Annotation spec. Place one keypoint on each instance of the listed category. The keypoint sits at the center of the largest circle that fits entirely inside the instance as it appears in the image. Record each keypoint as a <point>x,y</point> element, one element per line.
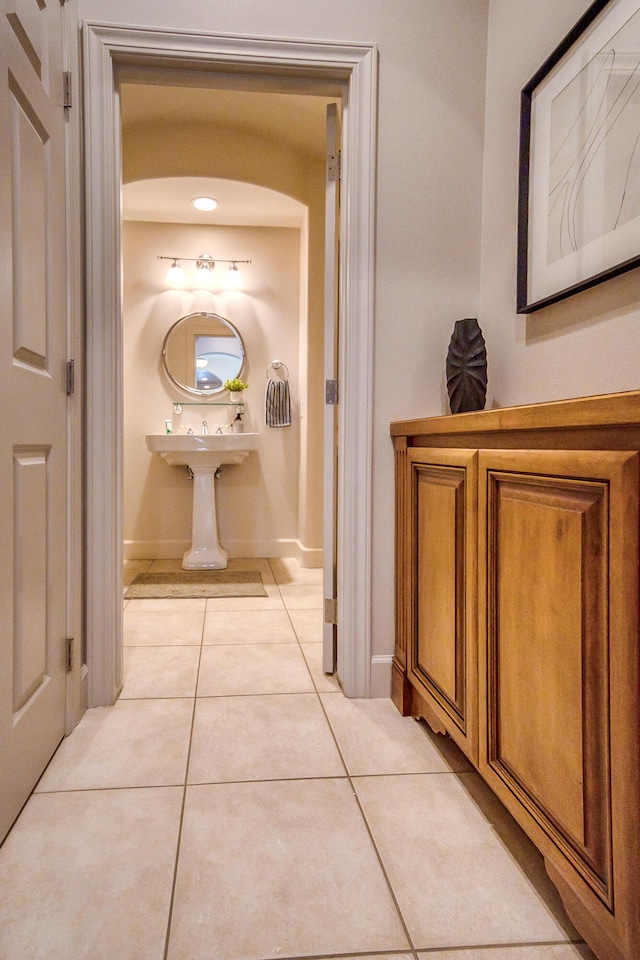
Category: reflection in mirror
<point>201,351</point>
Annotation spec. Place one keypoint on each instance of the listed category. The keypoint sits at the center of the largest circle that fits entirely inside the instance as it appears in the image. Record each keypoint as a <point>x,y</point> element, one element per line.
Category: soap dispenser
<point>237,426</point>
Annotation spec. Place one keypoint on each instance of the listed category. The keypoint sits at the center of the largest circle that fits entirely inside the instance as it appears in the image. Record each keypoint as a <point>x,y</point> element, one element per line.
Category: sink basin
<point>203,454</point>
<point>212,449</point>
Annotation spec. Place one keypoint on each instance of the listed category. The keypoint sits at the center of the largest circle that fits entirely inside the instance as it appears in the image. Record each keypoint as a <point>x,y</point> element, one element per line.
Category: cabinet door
<point>442,657</point>
<point>559,663</point>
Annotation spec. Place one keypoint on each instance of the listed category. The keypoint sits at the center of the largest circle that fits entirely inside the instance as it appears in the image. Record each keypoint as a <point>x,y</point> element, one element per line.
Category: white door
<point>331,300</point>
<point>33,446</point>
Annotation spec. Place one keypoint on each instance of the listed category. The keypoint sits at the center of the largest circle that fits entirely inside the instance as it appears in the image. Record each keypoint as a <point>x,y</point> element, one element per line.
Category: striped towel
<point>277,404</point>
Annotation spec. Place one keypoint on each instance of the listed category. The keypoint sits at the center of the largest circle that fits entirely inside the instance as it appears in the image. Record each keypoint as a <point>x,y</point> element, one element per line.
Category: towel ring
<point>276,364</point>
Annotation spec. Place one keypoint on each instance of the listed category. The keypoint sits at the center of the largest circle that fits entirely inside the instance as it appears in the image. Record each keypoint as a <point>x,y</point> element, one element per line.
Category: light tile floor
<point>234,805</point>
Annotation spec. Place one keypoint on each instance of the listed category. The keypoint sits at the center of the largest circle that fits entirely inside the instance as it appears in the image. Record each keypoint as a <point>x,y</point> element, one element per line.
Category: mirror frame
<point>193,391</point>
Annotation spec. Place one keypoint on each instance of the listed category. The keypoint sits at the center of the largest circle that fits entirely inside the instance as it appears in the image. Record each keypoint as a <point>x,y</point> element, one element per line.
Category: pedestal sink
<point>203,454</point>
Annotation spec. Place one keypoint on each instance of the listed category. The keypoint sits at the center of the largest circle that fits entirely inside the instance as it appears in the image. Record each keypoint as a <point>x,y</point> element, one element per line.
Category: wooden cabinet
<point>517,629</point>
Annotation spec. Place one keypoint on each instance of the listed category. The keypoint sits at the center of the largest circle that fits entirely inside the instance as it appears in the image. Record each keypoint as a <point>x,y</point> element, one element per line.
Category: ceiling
<point>168,200</point>
<point>297,121</point>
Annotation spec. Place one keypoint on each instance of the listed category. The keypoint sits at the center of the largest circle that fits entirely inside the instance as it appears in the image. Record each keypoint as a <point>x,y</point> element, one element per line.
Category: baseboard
<point>154,549</point>
<point>309,556</point>
<point>260,548</point>
<point>174,549</point>
<point>381,676</point>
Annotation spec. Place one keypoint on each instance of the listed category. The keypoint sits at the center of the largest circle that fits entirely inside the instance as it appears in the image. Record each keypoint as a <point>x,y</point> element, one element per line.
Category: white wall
<point>258,499</point>
<point>431,103</point>
<point>589,343</point>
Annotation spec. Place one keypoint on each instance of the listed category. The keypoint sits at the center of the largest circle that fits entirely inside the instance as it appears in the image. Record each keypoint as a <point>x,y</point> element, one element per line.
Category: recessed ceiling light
<point>205,203</point>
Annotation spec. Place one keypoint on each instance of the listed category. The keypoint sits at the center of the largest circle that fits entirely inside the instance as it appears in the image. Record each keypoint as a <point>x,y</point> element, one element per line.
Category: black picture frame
<point>566,201</point>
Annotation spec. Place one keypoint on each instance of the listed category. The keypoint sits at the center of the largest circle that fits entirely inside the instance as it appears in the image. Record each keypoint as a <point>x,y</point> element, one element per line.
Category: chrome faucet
<point>205,427</point>
<point>188,429</point>
<point>219,430</point>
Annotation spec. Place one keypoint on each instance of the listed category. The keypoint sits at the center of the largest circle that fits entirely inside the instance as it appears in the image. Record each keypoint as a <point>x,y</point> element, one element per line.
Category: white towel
<point>277,404</point>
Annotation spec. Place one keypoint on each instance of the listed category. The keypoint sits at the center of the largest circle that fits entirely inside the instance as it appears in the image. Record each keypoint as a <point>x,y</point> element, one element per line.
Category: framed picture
<point>579,193</point>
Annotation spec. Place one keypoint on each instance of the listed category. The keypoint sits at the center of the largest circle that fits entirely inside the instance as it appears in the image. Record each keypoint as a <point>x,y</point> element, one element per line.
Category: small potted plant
<point>235,388</point>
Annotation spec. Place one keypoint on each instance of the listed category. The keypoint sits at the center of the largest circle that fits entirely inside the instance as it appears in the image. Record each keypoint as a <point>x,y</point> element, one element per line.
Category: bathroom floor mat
<point>197,583</point>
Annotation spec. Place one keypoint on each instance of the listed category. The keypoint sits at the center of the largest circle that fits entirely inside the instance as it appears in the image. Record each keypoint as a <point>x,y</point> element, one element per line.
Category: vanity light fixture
<point>175,275</point>
<point>205,203</point>
<point>205,265</point>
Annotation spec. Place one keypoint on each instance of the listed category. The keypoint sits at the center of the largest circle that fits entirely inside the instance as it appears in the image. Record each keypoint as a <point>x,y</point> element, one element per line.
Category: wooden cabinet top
<point>606,421</point>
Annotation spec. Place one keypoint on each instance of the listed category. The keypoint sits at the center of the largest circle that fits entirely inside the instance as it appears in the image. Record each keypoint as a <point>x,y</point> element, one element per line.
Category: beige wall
<point>584,345</point>
<point>446,204</point>
<point>258,499</point>
<point>430,129</point>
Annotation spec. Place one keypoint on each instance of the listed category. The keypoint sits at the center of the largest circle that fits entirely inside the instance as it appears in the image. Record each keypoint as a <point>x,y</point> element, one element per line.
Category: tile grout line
<point>357,799</point>
<point>371,955</point>
<point>511,945</point>
<point>186,778</point>
<point>184,798</point>
<point>299,642</point>
<point>412,949</point>
<point>213,783</point>
<point>343,956</point>
<point>364,819</point>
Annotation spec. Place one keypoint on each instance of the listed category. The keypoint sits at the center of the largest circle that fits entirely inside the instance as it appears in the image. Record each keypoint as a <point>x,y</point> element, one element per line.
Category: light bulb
<point>175,275</point>
<point>204,271</point>
<point>234,278</point>
<point>205,203</point>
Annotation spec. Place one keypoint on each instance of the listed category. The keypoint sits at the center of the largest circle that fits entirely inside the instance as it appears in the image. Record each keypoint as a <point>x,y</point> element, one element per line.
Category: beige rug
<point>196,583</point>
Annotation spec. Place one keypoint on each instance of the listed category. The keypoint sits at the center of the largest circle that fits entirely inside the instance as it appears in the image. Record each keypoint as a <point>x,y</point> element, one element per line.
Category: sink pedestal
<point>203,455</point>
<point>205,552</point>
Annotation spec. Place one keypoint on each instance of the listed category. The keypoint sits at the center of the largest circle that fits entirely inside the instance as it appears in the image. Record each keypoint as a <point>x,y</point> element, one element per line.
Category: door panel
<point>440,565</point>
<point>442,660</point>
<point>33,445</point>
<point>30,574</point>
<point>29,27</point>
<point>559,576</point>
<point>537,690</point>
<point>29,165</point>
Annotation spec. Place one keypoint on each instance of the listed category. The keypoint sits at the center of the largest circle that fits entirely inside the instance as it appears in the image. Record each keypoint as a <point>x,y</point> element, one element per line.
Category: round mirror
<point>201,351</point>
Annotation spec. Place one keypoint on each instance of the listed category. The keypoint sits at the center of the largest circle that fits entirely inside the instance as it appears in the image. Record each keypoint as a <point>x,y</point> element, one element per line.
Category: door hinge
<point>331,392</point>
<point>69,654</point>
<point>71,377</point>
<point>334,166</point>
<point>330,610</point>
<point>66,89</point>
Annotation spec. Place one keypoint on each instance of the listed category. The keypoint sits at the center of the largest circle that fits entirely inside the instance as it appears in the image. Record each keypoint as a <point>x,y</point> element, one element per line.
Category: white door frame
<point>107,50</point>
<point>77,677</point>
<point>331,372</point>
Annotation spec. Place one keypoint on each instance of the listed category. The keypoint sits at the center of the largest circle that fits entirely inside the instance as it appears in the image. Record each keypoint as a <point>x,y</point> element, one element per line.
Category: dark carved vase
<point>467,367</point>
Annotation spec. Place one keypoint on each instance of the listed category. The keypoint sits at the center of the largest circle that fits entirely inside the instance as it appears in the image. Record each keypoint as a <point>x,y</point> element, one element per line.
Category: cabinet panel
<point>556,581</point>
<point>442,661</point>
<point>439,650</point>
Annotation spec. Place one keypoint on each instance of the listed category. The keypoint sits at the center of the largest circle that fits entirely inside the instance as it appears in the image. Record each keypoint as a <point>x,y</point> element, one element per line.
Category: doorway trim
<point>108,51</point>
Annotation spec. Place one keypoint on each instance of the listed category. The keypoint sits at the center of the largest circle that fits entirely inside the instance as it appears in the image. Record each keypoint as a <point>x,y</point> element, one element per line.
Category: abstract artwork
<point>579,213</point>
